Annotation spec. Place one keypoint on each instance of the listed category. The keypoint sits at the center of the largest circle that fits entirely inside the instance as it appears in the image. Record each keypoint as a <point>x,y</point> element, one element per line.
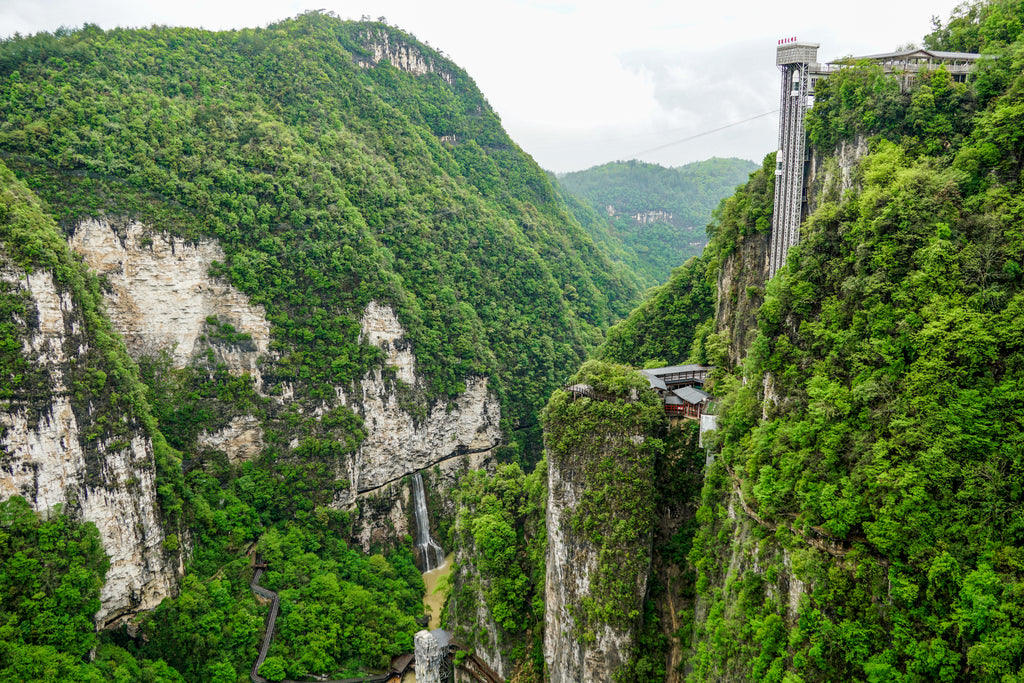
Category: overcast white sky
<point>580,82</point>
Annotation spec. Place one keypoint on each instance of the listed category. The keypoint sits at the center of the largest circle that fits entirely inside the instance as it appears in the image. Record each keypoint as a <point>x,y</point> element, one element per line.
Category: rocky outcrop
<point>401,55</point>
<point>161,296</point>
<point>572,561</point>
<point>599,522</point>
<point>831,174</point>
<point>241,440</point>
<point>741,282</point>
<point>431,660</point>
<point>657,216</point>
<point>399,442</point>
<point>403,436</point>
<point>51,456</point>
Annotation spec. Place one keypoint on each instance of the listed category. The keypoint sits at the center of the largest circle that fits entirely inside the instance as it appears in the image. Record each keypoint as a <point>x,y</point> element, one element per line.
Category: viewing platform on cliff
<point>681,388</point>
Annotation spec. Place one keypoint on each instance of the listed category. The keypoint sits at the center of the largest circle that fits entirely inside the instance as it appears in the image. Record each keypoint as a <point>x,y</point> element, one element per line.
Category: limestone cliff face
<point>447,438</point>
<point>832,173</point>
<point>399,442</point>
<point>743,276</point>
<point>750,554</point>
<point>51,457</point>
<point>385,514</point>
<point>599,521</point>
<point>741,282</point>
<point>748,550</point>
<point>572,561</point>
<point>402,56</point>
<point>161,294</point>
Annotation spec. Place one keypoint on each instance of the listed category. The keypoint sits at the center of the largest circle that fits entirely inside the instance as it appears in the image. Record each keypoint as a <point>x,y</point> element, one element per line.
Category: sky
<point>579,83</point>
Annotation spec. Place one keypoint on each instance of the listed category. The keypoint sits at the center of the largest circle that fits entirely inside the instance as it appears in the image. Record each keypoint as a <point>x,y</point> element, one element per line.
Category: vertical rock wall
<point>51,457</point>
<point>405,436</point>
<point>161,293</point>
<point>160,296</point>
<point>600,517</point>
<point>571,654</point>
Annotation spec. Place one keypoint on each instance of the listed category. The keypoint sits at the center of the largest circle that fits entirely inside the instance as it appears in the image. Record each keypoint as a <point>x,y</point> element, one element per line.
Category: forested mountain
<point>335,163</point>
<point>649,217</point>
<point>383,287</point>
<point>860,517</point>
<point>314,264</point>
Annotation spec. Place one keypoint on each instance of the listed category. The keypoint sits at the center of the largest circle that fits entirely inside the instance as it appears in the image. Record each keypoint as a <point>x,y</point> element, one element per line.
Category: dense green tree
<point>871,436</point>
<point>649,217</point>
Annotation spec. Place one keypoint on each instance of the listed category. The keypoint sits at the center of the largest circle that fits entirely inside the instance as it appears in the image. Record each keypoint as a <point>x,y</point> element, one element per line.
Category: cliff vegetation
<point>649,217</point>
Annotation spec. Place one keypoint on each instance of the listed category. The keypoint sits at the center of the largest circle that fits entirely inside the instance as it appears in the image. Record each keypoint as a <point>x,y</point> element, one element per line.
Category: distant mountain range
<point>649,217</point>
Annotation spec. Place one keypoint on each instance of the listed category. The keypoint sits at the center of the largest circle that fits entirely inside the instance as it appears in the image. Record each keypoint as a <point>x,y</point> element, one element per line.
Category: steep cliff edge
<point>403,433</point>
<point>850,525</point>
<point>496,603</point>
<point>602,442</point>
<point>76,434</point>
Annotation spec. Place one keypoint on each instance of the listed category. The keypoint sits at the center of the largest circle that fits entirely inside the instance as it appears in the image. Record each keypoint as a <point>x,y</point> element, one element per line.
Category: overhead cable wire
<point>702,134</point>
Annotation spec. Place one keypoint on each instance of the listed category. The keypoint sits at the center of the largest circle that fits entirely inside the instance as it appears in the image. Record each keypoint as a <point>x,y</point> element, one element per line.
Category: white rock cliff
<point>397,442</point>
<point>161,294</point>
<point>44,461</point>
<point>453,436</point>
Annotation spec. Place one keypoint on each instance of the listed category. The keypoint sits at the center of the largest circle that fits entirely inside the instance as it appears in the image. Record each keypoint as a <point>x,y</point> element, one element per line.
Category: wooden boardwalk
<point>275,603</point>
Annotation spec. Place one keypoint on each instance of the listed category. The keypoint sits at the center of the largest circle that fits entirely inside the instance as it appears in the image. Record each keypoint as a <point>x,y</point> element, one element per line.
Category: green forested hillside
<point>862,516</point>
<point>49,598</point>
<point>51,570</point>
<point>329,181</point>
<point>649,217</point>
<point>873,434</point>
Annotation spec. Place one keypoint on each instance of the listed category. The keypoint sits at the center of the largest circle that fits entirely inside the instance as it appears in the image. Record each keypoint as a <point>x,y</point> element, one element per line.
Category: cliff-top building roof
<point>801,71</point>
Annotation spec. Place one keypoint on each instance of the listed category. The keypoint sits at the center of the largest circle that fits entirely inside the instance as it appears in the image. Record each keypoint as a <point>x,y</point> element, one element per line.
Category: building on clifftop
<point>800,71</point>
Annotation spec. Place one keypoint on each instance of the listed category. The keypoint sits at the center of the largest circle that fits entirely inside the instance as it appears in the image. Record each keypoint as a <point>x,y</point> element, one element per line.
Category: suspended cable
<point>702,134</point>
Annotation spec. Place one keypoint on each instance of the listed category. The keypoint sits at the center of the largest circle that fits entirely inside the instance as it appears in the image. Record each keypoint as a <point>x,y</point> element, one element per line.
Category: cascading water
<point>430,551</point>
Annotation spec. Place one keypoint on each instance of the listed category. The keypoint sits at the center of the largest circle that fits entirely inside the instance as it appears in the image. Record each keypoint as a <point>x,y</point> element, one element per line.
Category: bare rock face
<point>161,297</point>
<point>398,442</point>
<point>242,439</point>
<point>385,514</point>
<point>402,56</point>
<point>599,519</point>
<point>571,561</point>
<point>161,294</point>
<point>111,484</point>
<point>430,658</point>
<point>831,173</point>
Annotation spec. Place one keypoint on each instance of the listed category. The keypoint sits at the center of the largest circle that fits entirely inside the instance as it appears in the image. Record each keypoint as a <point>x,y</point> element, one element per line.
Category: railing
<point>687,376</point>
<point>275,603</point>
<point>684,411</point>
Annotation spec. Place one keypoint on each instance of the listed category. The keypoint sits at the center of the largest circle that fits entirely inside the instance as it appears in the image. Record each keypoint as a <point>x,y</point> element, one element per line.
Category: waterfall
<point>430,551</point>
